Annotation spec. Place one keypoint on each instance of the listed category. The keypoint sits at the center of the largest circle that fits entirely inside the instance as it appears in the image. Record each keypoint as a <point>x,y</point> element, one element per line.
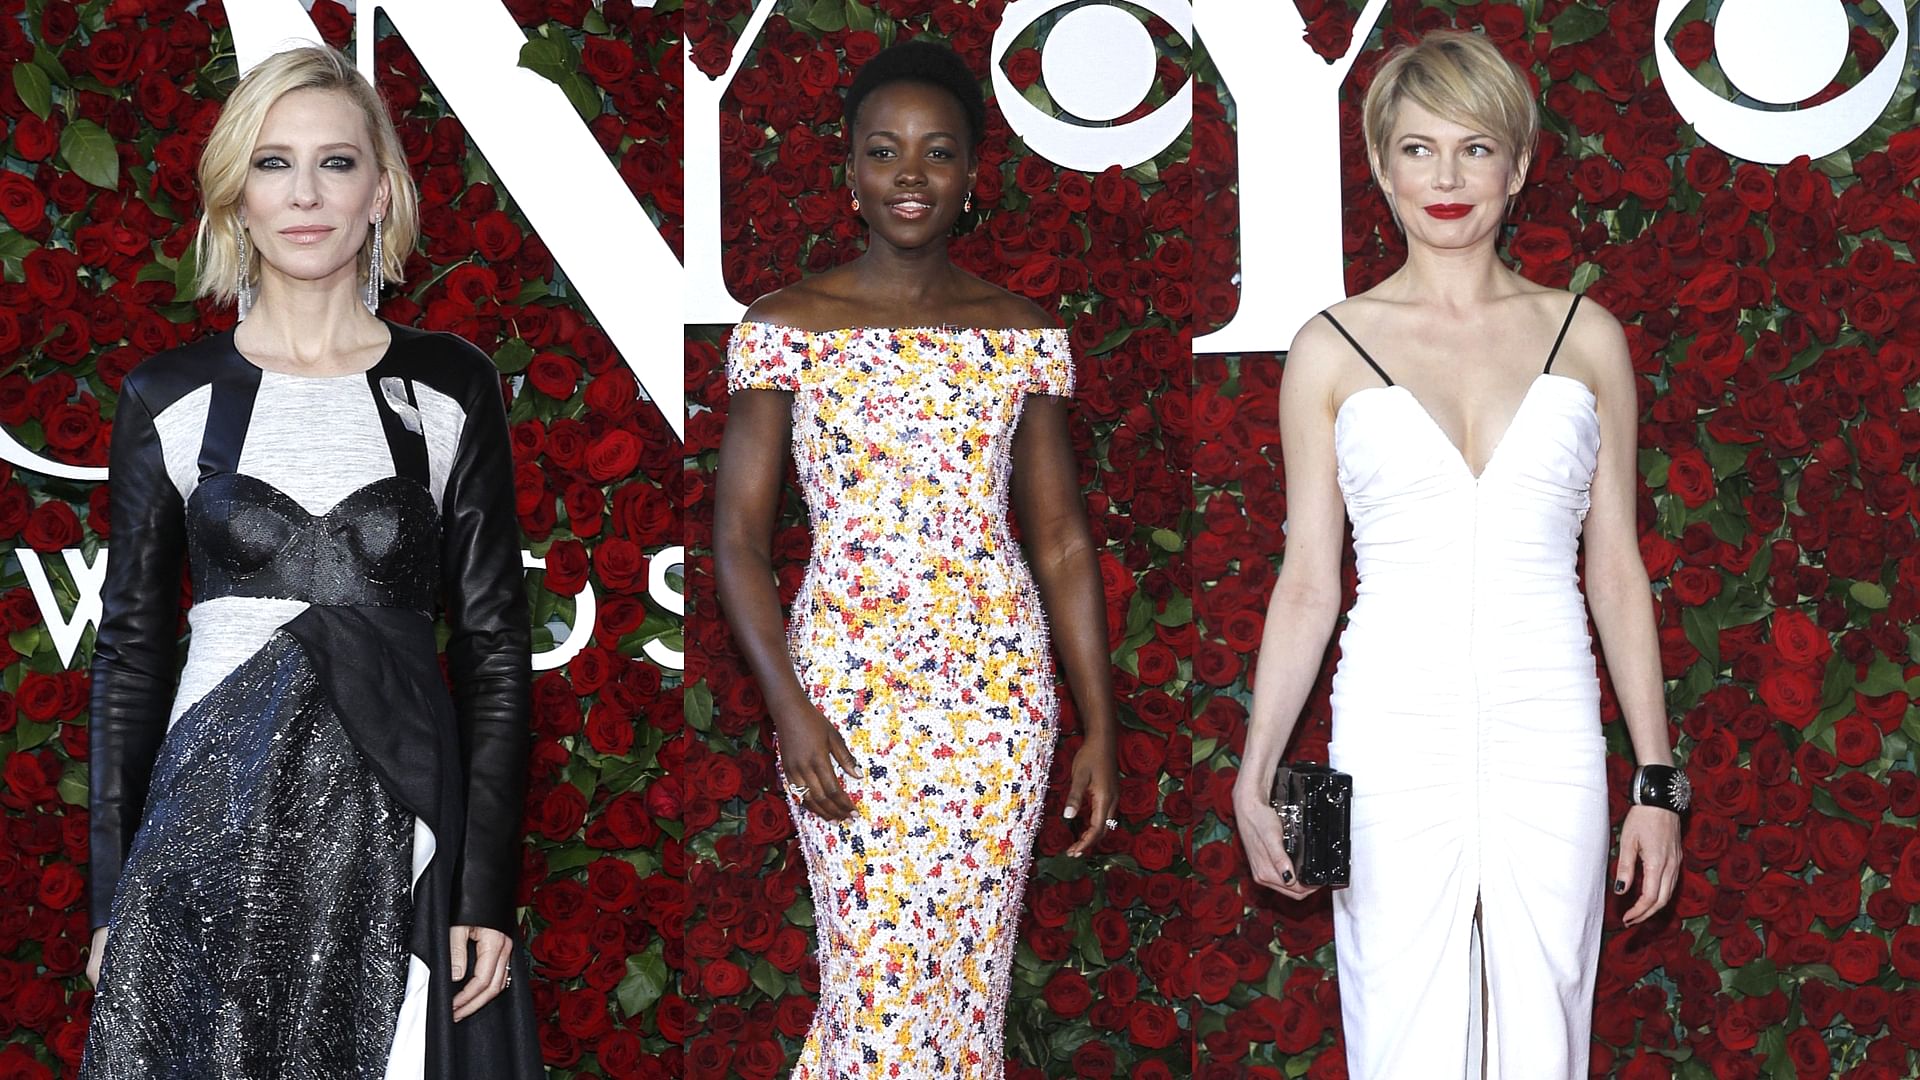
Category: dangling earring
<point>967,206</point>
<point>374,274</point>
<point>242,293</point>
<point>856,204</point>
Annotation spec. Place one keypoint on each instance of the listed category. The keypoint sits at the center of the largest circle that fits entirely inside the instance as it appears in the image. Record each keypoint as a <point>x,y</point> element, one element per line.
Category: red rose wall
<point>1772,319</point>
<point>107,106</point>
<point>1100,983</point>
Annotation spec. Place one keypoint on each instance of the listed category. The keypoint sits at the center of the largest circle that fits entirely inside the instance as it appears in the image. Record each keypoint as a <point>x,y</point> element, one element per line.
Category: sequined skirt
<point>260,926</point>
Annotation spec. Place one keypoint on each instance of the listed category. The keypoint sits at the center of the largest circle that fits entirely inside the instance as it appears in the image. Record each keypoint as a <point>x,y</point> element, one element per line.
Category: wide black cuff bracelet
<point>1661,785</point>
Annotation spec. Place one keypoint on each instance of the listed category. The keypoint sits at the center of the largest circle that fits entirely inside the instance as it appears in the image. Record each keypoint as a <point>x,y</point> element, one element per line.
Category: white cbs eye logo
<point>1098,63</point>
<point>1779,52</point>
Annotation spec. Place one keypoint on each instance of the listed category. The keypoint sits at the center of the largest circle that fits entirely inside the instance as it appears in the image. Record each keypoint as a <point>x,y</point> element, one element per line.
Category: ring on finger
<point>798,791</point>
<point>1113,824</point>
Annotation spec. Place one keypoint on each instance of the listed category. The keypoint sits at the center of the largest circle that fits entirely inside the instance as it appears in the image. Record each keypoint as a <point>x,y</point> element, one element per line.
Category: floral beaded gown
<point>1466,705</point>
<point>313,808</point>
<point>919,634</point>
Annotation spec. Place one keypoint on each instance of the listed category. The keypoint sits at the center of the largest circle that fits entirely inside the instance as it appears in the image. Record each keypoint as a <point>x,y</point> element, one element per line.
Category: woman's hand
<point>812,756</point>
<point>96,951</point>
<point>1095,771</point>
<point>491,952</point>
<point>1266,848</point>
<point>1649,841</point>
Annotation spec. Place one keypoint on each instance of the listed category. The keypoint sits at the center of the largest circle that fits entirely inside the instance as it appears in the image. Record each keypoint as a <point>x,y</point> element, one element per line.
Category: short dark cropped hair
<point>921,61</point>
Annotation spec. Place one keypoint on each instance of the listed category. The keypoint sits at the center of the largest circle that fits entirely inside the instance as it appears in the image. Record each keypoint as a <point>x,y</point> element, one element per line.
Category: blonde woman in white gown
<point>1478,429</point>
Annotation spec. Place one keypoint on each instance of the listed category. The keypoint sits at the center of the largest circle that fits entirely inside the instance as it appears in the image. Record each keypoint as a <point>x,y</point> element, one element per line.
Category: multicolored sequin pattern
<point>919,633</point>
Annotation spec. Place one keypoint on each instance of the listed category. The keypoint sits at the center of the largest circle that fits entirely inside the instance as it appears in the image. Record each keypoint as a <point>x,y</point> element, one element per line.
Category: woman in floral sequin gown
<point>913,690</point>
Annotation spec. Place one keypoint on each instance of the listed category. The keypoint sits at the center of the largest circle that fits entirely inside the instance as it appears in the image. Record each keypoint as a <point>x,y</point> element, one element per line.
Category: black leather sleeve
<point>489,654</point>
<point>136,650</point>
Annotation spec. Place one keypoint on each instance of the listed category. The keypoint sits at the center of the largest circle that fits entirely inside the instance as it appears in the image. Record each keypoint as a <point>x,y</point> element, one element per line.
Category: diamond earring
<point>967,206</point>
<point>373,273</point>
<point>242,292</point>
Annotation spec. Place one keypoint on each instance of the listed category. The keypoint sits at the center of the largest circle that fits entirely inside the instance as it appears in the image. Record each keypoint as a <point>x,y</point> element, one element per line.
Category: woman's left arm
<point>489,655</point>
<point>1066,567</point>
<point>1621,600</point>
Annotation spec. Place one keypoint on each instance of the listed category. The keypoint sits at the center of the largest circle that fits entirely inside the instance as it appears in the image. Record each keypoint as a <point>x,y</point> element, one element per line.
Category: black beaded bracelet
<point>1661,785</point>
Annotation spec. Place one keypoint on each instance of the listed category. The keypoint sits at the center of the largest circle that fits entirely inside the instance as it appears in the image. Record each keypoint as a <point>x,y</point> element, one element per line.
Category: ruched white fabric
<point>1466,706</point>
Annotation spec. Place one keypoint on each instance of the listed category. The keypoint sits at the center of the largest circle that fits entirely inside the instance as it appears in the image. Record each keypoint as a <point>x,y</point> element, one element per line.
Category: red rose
<point>21,203</point>
<point>1858,956</point>
<point>606,60</point>
<point>497,238</point>
<point>553,375</point>
<point>1798,639</point>
<point>1791,694</point>
<point>620,564</point>
<point>613,456</point>
<point>609,729</point>
<point>1690,477</point>
<point>62,886</point>
<point>566,569</point>
<point>1152,1026</point>
<point>560,814</point>
<point>1067,993</point>
<point>112,54</point>
<point>559,953</point>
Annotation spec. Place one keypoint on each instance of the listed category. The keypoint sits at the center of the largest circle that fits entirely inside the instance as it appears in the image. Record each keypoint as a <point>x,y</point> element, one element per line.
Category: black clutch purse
<point>1315,805</point>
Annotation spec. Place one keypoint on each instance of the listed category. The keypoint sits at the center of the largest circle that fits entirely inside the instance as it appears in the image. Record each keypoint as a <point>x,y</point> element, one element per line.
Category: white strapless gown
<point>1466,706</point>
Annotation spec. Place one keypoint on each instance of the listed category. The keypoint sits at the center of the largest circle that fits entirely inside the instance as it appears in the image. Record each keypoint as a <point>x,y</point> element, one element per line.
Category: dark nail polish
<point>1619,886</point>
<point>1286,876</point>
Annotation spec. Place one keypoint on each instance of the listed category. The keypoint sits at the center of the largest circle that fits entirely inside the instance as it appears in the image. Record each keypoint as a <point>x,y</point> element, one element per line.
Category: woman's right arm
<point>136,647</point>
<point>1305,601</point>
<point>752,469</point>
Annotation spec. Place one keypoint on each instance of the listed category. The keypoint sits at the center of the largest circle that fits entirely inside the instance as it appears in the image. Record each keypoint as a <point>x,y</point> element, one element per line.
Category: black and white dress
<point>313,808</point>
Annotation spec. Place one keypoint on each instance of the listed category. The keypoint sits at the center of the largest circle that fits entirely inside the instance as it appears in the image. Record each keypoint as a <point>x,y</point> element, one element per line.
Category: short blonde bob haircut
<point>1457,76</point>
<point>228,158</point>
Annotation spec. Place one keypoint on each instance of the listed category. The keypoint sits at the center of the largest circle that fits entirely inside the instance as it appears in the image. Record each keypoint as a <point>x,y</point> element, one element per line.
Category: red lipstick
<point>1448,211</point>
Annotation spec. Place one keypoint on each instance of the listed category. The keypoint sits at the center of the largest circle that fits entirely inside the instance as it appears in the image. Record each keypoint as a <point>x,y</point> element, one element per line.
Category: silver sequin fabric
<point>260,925</point>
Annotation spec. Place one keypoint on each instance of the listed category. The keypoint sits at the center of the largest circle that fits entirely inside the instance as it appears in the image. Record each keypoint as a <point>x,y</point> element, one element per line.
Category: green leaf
<point>1113,340</point>
<point>595,23</point>
<point>1700,629</point>
<point>88,151</point>
<point>550,58</point>
<point>513,356</point>
<point>1168,540</point>
<point>186,273</point>
<point>827,16</point>
<point>73,790</point>
<point>768,979</point>
<point>1868,595</point>
<point>645,981</point>
<point>30,81</point>
<point>1576,24</point>
<point>583,94</point>
<point>30,734</point>
<point>1755,979</point>
<point>1883,677</point>
<point>697,705</point>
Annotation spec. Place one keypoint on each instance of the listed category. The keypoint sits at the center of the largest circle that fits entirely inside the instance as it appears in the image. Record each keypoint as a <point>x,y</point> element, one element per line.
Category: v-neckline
<point>1459,455</point>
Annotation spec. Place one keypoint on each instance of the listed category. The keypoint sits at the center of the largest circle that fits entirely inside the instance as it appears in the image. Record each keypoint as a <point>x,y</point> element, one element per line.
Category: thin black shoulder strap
<point>1571,308</point>
<point>1384,377</point>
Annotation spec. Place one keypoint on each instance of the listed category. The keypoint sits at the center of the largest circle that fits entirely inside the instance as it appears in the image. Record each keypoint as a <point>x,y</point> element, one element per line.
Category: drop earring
<point>967,206</point>
<point>856,204</point>
<point>373,273</point>
<point>242,292</point>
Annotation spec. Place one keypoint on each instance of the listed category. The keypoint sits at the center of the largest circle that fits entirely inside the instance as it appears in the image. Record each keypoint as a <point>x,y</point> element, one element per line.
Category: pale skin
<point>1435,317</point>
<point>313,191</point>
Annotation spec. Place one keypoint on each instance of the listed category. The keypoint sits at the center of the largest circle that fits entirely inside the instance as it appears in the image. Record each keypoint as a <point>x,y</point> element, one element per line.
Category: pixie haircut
<point>228,158</point>
<point>925,62</point>
<point>1457,76</point>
